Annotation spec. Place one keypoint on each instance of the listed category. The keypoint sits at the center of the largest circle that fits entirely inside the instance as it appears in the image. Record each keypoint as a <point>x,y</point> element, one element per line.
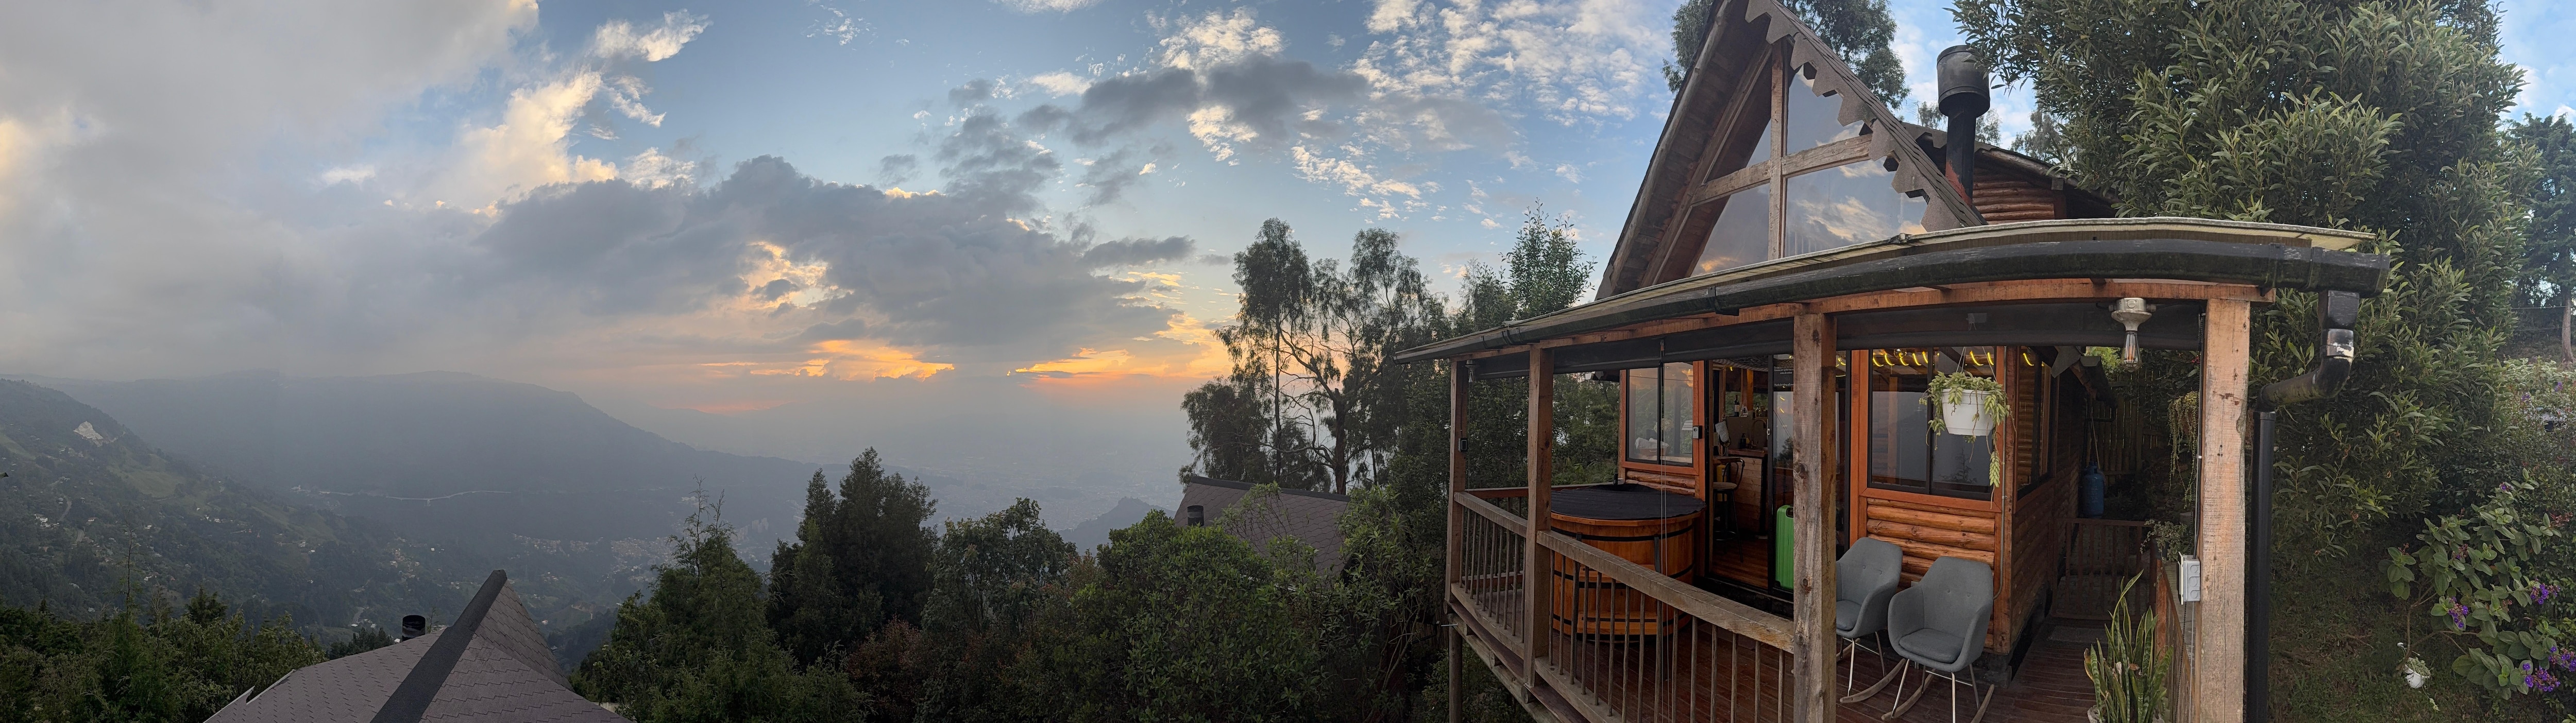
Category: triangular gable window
<point>1782,132</point>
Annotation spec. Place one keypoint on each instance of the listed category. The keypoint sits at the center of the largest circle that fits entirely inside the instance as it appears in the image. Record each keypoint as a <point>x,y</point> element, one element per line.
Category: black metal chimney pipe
<point>2337,313</point>
<point>1964,98</point>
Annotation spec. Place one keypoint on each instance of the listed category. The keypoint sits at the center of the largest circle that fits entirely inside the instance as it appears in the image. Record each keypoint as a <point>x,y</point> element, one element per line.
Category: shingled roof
<point>492,665</point>
<point>1309,517</point>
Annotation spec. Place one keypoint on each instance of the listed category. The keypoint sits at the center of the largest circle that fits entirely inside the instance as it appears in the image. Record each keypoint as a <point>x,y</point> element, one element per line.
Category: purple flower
<point>2459,613</point>
<point>2538,679</point>
<point>2563,658</point>
<point>2541,592</point>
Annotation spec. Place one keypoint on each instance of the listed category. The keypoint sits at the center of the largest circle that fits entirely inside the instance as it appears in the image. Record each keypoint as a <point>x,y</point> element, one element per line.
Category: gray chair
<point>1940,624</point>
<point>1864,580</point>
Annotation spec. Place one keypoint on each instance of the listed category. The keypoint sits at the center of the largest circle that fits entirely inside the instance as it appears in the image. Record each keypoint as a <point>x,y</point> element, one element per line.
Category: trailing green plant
<point>1952,388</point>
<point>2127,668</point>
<point>2481,574</point>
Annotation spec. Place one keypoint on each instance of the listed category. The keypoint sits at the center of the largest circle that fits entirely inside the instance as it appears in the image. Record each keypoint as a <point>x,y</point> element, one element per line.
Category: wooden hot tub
<point>1656,529</point>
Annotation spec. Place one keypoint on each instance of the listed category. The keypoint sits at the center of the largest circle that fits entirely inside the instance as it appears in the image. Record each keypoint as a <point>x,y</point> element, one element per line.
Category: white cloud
<point>348,174</point>
<point>1061,83</point>
<point>1217,38</point>
<point>1569,61</point>
<point>618,39</point>
<point>1354,179</point>
<point>1568,172</point>
<point>1040,6</point>
<point>530,147</point>
<point>626,95</point>
<point>651,169</point>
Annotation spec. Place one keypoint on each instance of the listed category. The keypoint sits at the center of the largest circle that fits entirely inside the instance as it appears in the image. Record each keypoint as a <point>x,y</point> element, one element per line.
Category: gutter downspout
<point>2337,313</point>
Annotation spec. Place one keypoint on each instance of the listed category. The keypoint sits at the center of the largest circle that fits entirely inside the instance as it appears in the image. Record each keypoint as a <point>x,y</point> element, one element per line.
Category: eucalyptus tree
<point>1312,401</point>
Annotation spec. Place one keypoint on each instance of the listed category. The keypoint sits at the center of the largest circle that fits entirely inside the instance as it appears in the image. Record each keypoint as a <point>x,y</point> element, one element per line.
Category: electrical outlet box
<point>2190,578</point>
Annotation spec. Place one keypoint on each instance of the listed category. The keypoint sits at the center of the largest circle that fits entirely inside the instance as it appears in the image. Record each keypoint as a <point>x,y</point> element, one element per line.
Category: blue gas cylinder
<point>2088,496</point>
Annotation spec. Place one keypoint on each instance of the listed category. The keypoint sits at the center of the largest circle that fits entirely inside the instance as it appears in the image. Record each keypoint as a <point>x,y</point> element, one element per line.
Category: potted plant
<point>1969,406</point>
<point>2127,670</point>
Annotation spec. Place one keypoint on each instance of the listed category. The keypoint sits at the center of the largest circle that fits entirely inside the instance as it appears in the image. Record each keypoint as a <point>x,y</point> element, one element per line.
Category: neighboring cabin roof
<point>1311,518</point>
<point>492,665</point>
<point>1740,33</point>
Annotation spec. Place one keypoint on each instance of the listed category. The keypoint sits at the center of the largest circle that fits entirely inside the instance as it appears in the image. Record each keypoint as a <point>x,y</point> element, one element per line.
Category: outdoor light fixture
<point>2131,312</point>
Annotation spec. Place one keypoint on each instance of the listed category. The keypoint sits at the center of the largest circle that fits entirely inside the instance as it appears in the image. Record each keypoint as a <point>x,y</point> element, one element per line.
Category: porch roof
<point>2267,255</point>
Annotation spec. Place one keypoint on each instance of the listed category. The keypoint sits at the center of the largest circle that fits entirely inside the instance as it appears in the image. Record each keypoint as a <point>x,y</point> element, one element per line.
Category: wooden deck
<point>1705,673</point>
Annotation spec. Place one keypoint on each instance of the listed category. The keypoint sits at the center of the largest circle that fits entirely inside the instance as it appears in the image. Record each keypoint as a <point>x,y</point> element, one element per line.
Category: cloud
<point>618,39</point>
<point>1577,61</point>
<point>342,174</point>
<point>1040,6</point>
<point>530,147</point>
<point>1220,77</point>
<point>1217,39</point>
<point>1060,83</point>
<point>1132,252</point>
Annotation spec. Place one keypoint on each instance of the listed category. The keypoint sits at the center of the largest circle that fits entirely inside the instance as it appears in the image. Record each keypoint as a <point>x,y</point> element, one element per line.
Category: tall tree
<point>700,649</point>
<point>1312,400</point>
<point>2549,242</point>
<point>1858,30</point>
<point>859,559</point>
<point>995,575</point>
<point>2369,115</point>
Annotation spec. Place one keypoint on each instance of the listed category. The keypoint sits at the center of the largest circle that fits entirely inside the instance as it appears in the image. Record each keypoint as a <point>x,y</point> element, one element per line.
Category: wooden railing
<point>1621,642</point>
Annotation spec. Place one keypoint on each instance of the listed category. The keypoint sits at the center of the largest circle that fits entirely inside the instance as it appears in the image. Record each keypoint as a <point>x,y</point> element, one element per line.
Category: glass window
<point>1756,112</point>
<point>1847,204</point>
<point>1904,453</point>
<point>1659,414</point>
<point>1742,234</point>
<point>1815,120</point>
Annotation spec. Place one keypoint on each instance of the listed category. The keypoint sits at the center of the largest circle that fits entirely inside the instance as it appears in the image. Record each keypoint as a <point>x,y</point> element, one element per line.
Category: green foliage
<point>363,641</point>
<point>700,649</point>
<point>1181,624</point>
<point>994,576</point>
<point>1858,30</point>
<point>162,666</point>
<point>2127,668</point>
<point>2549,246</point>
<point>859,559</point>
<point>2476,570</point>
<point>2368,115</point>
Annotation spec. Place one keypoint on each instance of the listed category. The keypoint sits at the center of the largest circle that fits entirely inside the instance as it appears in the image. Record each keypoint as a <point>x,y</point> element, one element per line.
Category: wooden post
<point>1811,645</point>
<point>1458,374</point>
<point>2218,673</point>
<point>1540,569</point>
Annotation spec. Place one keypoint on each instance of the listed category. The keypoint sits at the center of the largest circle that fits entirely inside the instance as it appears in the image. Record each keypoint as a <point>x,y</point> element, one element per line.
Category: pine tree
<point>860,559</point>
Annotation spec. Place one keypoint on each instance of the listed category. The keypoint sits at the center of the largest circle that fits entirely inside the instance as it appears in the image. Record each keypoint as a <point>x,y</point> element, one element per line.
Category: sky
<point>989,237</point>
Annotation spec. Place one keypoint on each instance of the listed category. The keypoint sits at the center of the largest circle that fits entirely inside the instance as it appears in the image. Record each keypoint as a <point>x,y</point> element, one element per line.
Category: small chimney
<point>414,626</point>
<point>1964,98</point>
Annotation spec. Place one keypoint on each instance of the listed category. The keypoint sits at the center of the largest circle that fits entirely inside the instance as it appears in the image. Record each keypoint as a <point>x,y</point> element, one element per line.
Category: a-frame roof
<point>1742,35</point>
<point>491,666</point>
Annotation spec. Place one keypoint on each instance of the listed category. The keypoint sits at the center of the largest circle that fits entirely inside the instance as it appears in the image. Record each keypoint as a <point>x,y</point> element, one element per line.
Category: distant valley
<point>490,473</point>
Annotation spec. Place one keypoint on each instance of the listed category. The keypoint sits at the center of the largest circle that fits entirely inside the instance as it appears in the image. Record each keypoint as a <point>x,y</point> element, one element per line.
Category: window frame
<point>1773,171</point>
<point>1864,427</point>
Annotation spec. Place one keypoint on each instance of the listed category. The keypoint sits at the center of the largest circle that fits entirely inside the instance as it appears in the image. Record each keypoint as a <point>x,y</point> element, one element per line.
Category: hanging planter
<point>1969,406</point>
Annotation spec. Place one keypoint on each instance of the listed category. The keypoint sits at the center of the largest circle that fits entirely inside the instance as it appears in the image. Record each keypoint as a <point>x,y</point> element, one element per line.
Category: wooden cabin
<point>1797,266</point>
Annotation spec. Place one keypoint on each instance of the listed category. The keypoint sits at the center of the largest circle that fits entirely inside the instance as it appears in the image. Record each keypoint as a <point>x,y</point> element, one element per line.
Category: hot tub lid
<point>1621,501</point>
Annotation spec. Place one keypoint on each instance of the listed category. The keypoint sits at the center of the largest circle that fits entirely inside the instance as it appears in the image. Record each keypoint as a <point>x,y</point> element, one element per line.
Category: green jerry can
<point>1784,569</point>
